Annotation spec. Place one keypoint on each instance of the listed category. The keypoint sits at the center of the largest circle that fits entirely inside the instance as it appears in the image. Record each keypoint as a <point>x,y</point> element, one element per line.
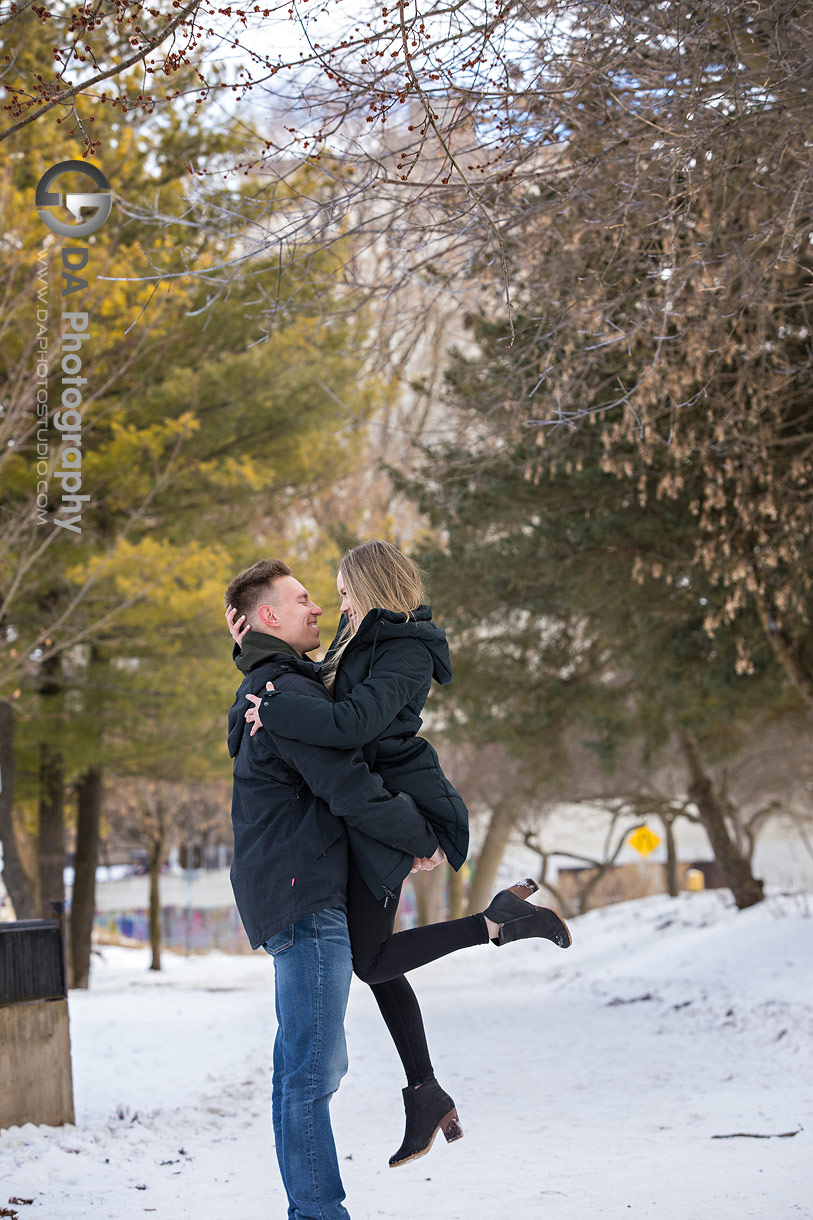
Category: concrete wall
<point>35,1064</point>
<point>207,888</point>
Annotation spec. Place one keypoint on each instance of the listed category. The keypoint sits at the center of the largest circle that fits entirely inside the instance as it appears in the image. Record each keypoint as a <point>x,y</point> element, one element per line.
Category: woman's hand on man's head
<point>237,633</point>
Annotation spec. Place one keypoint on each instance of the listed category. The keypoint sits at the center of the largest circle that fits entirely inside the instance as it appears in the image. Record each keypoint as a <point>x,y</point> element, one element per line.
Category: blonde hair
<point>376,576</point>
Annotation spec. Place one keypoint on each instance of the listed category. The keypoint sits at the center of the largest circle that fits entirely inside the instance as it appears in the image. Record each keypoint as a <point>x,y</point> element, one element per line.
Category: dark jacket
<point>292,805</point>
<point>381,686</point>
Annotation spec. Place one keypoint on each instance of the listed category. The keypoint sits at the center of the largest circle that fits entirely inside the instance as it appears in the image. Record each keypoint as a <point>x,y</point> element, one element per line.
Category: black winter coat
<point>293,806</point>
<point>381,686</point>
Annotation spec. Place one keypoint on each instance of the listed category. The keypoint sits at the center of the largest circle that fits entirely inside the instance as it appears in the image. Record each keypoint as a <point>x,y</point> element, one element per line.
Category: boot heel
<point>450,1126</point>
<point>429,1109</point>
<point>524,889</point>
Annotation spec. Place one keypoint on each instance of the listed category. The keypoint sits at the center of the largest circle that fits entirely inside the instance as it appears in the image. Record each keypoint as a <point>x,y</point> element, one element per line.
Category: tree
<point>615,838</point>
<point>85,862</point>
<point>556,645</point>
<point>661,268</point>
<point>450,115</point>
<point>498,790</point>
<point>14,874</point>
<point>151,814</point>
<point>194,443</point>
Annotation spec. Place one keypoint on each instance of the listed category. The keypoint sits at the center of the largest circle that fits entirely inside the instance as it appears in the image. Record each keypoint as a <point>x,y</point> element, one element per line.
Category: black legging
<point>381,959</point>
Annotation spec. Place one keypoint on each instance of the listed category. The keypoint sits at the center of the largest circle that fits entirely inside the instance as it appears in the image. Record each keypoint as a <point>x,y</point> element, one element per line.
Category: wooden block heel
<point>450,1126</point>
<point>524,889</point>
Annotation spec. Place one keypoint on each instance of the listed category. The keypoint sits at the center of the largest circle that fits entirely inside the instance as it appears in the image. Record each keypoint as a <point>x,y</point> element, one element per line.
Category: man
<point>291,805</point>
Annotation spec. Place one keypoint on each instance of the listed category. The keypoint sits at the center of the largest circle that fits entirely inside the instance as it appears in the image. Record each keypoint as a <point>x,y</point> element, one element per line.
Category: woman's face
<point>346,606</point>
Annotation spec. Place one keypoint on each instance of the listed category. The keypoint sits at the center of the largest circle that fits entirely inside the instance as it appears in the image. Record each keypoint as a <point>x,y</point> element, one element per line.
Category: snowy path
<point>589,1083</point>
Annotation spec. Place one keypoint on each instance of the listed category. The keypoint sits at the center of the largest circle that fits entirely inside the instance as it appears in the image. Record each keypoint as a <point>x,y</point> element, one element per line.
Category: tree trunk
<point>499,831</point>
<point>83,905</point>
<point>672,884</point>
<point>155,909</point>
<point>562,906</point>
<point>456,906</point>
<point>734,867</point>
<point>428,897</point>
<point>18,884</point>
<point>542,878</point>
<point>51,850</point>
<point>51,829</point>
<point>586,895</point>
<point>789,651</point>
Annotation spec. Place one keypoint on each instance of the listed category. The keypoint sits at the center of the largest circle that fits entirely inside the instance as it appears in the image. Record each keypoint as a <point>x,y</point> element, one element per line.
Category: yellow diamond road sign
<point>644,840</point>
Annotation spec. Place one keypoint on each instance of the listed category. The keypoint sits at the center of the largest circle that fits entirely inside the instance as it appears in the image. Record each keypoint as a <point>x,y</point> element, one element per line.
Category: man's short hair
<point>248,590</point>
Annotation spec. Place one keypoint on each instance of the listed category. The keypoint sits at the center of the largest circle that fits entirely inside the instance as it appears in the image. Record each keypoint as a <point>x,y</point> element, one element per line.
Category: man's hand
<point>253,713</point>
<point>234,627</point>
<point>427,863</point>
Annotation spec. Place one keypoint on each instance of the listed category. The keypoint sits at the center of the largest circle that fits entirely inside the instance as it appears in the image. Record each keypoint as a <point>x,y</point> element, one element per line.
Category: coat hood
<point>381,625</point>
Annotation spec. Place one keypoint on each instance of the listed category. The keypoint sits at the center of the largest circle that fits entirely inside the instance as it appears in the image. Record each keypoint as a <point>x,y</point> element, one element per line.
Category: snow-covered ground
<point>590,1083</point>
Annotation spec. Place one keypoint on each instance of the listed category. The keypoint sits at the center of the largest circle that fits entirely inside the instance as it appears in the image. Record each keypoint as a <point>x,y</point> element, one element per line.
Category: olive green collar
<point>258,647</point>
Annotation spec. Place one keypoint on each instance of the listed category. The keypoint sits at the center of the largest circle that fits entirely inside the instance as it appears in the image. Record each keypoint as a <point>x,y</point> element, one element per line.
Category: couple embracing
<point>336,800</point>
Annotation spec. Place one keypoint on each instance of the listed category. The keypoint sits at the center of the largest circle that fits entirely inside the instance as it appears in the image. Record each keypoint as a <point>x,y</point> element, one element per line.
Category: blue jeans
<point>312,971</point>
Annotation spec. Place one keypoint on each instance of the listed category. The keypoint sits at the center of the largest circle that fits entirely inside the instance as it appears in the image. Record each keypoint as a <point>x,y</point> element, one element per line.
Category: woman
<point>380,668</point>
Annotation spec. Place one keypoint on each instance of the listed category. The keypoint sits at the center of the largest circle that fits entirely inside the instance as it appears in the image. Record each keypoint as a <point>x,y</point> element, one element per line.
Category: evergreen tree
<point>550,572</point>
<point>199,448</point>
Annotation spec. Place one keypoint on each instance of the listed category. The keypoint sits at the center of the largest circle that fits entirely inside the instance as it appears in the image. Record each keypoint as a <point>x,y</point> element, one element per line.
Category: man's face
<point>291,615</point>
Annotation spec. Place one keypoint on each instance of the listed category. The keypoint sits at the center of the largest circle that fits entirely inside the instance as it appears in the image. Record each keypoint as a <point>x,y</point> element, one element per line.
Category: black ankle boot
<point>519,919</point>
<point>428,1110</point>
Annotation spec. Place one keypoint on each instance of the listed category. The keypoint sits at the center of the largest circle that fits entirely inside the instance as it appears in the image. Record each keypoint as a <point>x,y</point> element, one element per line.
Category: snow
<point>589,1082</point>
